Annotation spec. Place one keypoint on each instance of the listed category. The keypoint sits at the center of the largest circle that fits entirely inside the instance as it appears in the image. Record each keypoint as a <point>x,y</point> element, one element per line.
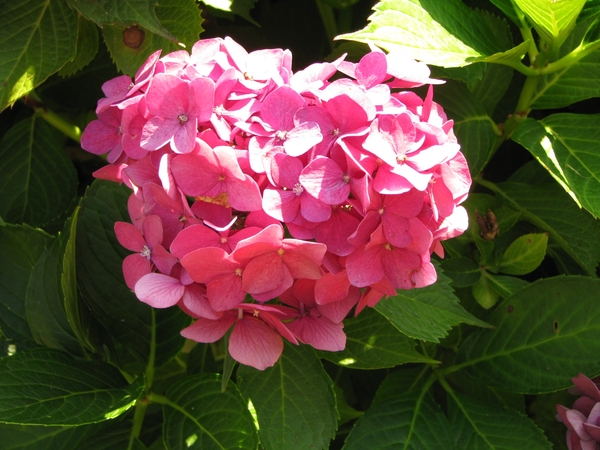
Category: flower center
<point>298,189</point>
<point>183,118</point>
<point>146,252</point>
<point>281,135</point>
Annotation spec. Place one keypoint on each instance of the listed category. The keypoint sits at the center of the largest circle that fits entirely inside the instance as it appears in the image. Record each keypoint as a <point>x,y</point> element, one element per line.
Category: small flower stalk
<point>273,203</point>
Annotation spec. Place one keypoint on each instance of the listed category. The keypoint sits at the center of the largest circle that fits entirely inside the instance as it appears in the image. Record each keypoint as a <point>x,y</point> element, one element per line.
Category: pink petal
<point>204,264</point>
<point>365,267</point>
<point>319,332</point>
<point>331,288</point>
<point>337,311</point>
<point>225,292</point>
<point>207,331</point>
<point>129,236</point>
<point>194,299</point>
<point>158,290</point>
<point>266,273</point>
<point>163,260</point>
<point>323,179</point>
<point>135,267</point>
<point>254,343</point>
<point>152,230</point>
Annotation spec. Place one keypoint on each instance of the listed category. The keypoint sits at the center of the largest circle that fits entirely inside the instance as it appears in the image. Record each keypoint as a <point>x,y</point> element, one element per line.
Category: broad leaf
<point>508,8</point>
<point>199,416</point>
<point>398,382</point>
<point>411,421</point>
<point>48,387</point>
<point>544,334</point>
<point>31,437</point>
<point>45,299</point>
<point>484,292</point>
<point>447,34</point>
<point>504,285</point>
<point>180,17</point>
<point>123,13</point>
<point>20,248</point>
<point>551,19</point>
<point>576,82</point>
<point>99,272</point>
<point>87,47</point>
<point>524,255</point>
<point>550,209</point>
<point>38,38</point>
<point>478,425</point>
<point>566,144</point>
<point>474,128</point>
<point>39,182</point>
<point>242,7</point>
<point>294,400</point>
<point>463,271</point>
<point>374,343</point>
<point>427,313</point>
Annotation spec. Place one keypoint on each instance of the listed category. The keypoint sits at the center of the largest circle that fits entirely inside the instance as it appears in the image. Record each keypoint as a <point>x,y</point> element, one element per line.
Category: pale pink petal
<point>319,332</point>
<point>207,331</point>
<point>194,299</point>
<point>158,290</point>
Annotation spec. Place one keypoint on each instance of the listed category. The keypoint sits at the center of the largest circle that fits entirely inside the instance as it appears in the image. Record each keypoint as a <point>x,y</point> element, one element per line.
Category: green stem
<point>58,122</point>
<point>138,420</point>
<point>570,59</point>
<point>328,18</point>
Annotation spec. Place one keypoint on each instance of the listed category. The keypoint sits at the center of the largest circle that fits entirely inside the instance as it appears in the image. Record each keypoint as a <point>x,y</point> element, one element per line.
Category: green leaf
<point>463,271</point>
<point>551,19</point>
<point>484,293</point>
<point>492,88</point>
<point>87,47</point>
<point>38,181</point>
<point>99,273</point>
<point>589,10</point>
<point>524,255</point>
<point>505,286</point>
<point>240,7</point>
<point>412,420</point>
<point>20,248</point>
<point>447,34</point>
<point>427,313</point>
<point>374,343</point>
<point>474,128</point>
<point>48,387</point>
<point>507,7</point>
<point>401,381</point>
<point>566,144</point>
<point>123,13</point>
<point>478,425</point>
<point>181,17</point>
<point>45,300</point>
<point>550,209</point>
<point>294,400</point>
<point>31,437</point>
<point>576,82</point>
<point>38,38</point>
<point>544,334</point>
<point>199,416</point>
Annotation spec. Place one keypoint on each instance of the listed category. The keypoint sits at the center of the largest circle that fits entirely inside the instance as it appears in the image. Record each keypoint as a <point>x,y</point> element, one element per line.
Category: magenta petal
<point>323,179</point>
<point>193,238</point>
<point>202,91</point>
<point>254,343</point>
<point>281,205</point>
<point>129,236</point>
<point>204,264</point>
<point>163,260</point>
<point>587,386</point>
<point>225,292</point>
<point>207,331</point>
<point>135,267</point>
<point>194,299</point>
<point>372,69</point>
<point>266,273</point>
<point>399,265</point>
<point>167,96</point>
<point>157,132</point>
<point>244,195</point>
<point>158,290</point>
<point>364,267</point>
<point>152,230</point>
<point>279,107</point>
<point>337,311</point>
<point>331,288</point>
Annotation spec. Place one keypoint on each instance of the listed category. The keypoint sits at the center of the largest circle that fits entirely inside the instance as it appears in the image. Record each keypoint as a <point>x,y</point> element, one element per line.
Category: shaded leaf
<point>31,437</point>
<point>20,248</point>
<point>87,47</point>
<point>478,425</point>
<point>427,313</point>
<point>180,17</point>
<point>48,387</point>
<point>463,271</point>
<point>242,7</point>
<point>400,382</point>
<point>447,34</point>
<point>484,292</point>
<point>504,285</point>
<point>38,181</point>
<point>374,343</point>
<point>412,420</point>
<point>199,416</point>
<point>45,300</point>
<point>544,334</point>
<point>294,400</point>
<point>38,38</point>
<point>548,208</point>
<point>474,128</point>
<point>123,13</point>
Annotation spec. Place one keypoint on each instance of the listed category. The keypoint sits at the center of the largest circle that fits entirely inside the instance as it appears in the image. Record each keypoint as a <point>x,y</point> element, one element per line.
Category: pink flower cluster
<point>253,183</point>
<point>583,420</point>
